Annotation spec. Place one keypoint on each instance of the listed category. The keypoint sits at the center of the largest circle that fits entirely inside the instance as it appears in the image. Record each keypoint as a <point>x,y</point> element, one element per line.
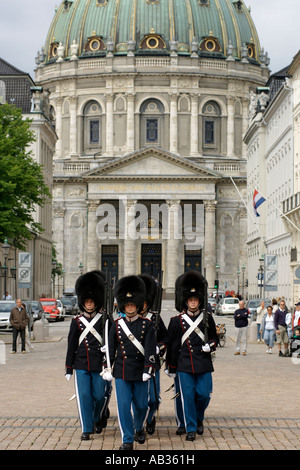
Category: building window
<point>2,92</point>
<point>209,132</point>
<point>152,123</point>
<point>211,127</point>
<point>94,132</point>
<point>152,130</point>
<point>92,127</point>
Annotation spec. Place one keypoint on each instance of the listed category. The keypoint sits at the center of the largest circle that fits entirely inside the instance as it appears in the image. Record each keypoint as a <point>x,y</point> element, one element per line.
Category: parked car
<point>5,308</point>
<point>253,305</point>
<point>70,304</point>
<point>62,309</point>
<point>213,302</point>
<point>50,308</point>
<point>227,306</point>
<point>35,308</point>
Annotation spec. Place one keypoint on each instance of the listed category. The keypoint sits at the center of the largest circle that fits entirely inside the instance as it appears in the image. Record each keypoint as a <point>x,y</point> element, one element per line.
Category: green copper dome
<point>208,28</point>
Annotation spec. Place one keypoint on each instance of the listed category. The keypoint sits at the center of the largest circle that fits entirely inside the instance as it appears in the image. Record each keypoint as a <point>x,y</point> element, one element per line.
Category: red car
<point>50,308</point>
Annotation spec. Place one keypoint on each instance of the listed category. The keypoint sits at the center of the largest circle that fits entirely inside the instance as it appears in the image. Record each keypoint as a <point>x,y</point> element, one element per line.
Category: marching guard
<point>131,346</point>
<point>84,355</point>
<point>161,337</point>
<point>192,338</point>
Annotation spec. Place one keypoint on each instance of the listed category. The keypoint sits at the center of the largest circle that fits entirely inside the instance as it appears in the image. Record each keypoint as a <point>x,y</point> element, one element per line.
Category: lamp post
<point>238,276</point>
<point>243,280</point>
<point>261,280</point>
<point>80,268</point>
<point>54,264</point>
<point>5,249</point>
<point>217,268</point>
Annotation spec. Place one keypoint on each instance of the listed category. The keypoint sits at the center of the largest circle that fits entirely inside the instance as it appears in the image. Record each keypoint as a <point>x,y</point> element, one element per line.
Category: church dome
<point>207,28</point>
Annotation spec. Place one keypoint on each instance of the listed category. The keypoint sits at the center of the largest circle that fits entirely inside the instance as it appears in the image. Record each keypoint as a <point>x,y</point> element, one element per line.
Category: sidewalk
<point>254,404</point>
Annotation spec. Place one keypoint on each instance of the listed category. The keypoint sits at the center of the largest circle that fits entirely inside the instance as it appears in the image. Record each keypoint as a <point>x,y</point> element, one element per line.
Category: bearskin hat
<point>190,284</point>
<point>130,289</point>
<point>151,289</point>
<point>91,285</point>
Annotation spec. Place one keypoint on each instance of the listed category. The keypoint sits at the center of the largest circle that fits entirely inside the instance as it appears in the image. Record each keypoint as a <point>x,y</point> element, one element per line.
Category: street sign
<point>25,270</point>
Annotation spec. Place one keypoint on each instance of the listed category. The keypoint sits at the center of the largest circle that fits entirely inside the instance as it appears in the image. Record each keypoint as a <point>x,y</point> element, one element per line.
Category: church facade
<point>150,105</point>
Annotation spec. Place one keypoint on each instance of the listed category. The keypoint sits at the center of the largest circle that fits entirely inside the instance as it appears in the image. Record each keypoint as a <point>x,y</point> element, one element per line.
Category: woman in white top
<point>268,329</point>
<point>261,312</point>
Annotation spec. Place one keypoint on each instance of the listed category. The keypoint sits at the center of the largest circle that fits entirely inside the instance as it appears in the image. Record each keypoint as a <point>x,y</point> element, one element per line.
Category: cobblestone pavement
<point>254,404</point>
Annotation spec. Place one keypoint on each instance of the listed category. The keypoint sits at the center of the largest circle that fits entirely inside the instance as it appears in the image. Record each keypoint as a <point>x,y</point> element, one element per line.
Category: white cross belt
<point>90,328</point>
<point>193,327</point>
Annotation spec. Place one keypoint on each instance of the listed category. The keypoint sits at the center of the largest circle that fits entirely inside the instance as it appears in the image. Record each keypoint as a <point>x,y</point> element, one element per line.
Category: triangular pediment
<point>151,162</point>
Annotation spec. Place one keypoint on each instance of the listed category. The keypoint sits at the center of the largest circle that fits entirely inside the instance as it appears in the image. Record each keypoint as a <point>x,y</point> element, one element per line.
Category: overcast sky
<point>24,26</point>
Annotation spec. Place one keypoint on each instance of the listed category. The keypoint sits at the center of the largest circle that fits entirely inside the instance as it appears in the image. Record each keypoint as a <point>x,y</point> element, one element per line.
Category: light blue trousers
<point>195,391</point>
<point>132,403</point>
<point>90,394</point>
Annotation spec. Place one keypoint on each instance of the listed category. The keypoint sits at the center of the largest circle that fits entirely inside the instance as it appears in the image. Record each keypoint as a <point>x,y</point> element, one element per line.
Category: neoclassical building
<point>150,101</point>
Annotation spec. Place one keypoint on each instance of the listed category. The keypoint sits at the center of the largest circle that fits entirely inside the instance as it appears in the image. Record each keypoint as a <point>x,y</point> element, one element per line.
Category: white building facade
<point>150,105</point>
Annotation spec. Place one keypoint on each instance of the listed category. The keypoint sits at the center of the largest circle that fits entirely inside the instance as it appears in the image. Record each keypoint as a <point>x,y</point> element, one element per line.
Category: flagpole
<point>247,208</point>
<point>280,212</point>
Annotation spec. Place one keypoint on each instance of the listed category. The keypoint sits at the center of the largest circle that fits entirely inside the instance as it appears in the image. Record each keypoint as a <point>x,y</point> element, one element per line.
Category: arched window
<point>92,126</point>
<point>152,122</point>
<point>211,127</point>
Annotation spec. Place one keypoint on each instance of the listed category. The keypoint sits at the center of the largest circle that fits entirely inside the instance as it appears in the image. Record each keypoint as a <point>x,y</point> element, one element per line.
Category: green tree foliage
<point>22,185</point>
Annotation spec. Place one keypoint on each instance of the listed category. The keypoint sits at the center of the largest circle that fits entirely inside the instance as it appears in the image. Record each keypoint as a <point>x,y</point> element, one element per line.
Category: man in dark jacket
<point>241,326</point>
<point>18,320</point>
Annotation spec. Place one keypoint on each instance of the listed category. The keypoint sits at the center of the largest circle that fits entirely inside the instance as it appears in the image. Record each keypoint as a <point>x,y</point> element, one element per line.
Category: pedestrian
<point>131,359</point>
<point>192,338</point>
<point>281,328</point>
<point>260,313</point>
<point>6,296</point>
<point>161,336</point>
<point>296,316</point>
<point>241,326</point>
<point>274,305</point>
<point>19,320</point>
<point>84,356</point>
<point>268,328</point>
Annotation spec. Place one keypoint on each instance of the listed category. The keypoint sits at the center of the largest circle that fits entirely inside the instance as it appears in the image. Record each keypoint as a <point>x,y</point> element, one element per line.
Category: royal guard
<point>151,310</point>
<point>84,355</point>
<point>192,338</point>
<point>132,354</point>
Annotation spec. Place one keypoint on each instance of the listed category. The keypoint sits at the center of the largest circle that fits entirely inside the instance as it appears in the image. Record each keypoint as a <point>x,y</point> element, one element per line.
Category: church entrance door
<point>151,259</point>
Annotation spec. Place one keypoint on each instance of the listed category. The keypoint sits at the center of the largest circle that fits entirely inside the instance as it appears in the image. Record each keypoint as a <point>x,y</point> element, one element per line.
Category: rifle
<point>157,312</point>
<point>205,313</point>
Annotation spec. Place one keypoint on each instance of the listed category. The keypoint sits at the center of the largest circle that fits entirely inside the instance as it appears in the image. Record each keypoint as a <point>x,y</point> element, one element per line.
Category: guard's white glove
<point>103,348</point>
<point>206,348</point>
<point>157,350</point>
<point>68,377</point>
<point>169,374</point>
<point>106,375</point>
<point>146,377</point>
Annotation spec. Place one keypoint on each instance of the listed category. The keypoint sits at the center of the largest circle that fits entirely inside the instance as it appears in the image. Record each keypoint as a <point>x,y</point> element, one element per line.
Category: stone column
<point>130,122</point>
<point>194,125</point>
<point>92,240</point>
<point>58,127</point>
<point>173,123</point>
<point>130,255</point>
<point>73,125</point>
<point>109,124</point>
<point>230,126</point>
<point>210,242</point>
<point>172,245</point>
<point>58,233</point>
<point>245,107</point>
